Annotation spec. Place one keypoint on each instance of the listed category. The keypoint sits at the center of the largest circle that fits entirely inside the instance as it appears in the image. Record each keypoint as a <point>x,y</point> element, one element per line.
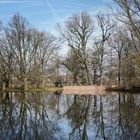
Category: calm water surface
<point>42,116</point>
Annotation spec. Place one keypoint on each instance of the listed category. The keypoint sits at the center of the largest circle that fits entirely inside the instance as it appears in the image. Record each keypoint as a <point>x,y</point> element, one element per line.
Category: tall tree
<point>130,14</point>
<point>117,42</point>
<point>6,61</point>
<point>77,31</point>
<point>46,46</point>
<point>106,27</point>
<point>19,36</point>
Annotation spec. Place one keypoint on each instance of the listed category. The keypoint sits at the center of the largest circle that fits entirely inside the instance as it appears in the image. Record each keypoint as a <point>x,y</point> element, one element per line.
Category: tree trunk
<point>101,76</point>
<point>25,84</point>
<point>7,82</point>
<point>88,76</point>
<point>95,77</point>
<point>119,71</point>
<point>3,86</point>
<point>75,79</point>
<point>43,81</point>
<point>101,68</point>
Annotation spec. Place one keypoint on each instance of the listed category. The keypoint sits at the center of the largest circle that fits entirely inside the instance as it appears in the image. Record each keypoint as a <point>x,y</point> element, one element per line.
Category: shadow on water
<point>58,92</point>
<point>44,116</point>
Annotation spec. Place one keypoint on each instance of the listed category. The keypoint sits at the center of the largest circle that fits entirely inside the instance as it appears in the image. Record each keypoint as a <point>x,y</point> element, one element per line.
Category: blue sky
<point>44,14</point>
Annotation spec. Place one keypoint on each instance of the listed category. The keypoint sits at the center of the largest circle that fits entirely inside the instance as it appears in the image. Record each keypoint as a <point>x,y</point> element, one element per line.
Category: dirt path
<point>92,90</point>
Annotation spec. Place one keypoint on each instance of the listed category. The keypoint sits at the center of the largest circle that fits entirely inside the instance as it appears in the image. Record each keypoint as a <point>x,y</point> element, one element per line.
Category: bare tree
<point>106,27</point>
<point>73,65</point>
<point>130,15</point>
<point>6,61</point>
<point>19,36</point>
<point>46,46</point>
<point>94,58</point>
<point>25,52</point>
<point>76,32</point>
<point>117,42</point>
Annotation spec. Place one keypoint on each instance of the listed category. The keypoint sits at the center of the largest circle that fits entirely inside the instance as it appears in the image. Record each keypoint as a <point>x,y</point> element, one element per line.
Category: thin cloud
<point>77,5</point>
<point>53,11</point>
<point>10,2</point>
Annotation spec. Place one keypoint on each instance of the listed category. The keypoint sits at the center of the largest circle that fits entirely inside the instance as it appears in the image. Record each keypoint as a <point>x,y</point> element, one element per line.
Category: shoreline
<point>45,89</point>
<point>77,89</point>
<point>96,89</point>
<point>123,89</point>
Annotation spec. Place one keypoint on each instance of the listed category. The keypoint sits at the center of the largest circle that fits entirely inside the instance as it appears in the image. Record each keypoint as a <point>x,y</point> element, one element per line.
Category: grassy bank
<point>44,89</point>
<point>47,89</point>
<point>123,89</point>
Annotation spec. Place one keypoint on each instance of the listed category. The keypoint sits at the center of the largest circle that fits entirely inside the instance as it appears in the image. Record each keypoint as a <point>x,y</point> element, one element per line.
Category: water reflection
<point>56,116</point>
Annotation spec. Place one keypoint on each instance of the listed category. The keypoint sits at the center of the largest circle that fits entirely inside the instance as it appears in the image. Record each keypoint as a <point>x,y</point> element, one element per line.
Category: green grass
<point>34,89</point>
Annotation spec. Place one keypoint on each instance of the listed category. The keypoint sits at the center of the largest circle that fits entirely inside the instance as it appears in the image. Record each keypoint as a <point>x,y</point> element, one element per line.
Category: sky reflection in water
<point>44,116</point>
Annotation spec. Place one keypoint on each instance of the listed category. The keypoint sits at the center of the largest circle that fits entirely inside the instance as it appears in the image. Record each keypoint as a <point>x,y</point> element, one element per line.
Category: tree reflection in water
<point>75,117</point>
<point>24,118</point>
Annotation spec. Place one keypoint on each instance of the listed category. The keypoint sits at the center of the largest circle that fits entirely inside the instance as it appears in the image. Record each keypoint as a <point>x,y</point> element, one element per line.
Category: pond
<point>43,116</point>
